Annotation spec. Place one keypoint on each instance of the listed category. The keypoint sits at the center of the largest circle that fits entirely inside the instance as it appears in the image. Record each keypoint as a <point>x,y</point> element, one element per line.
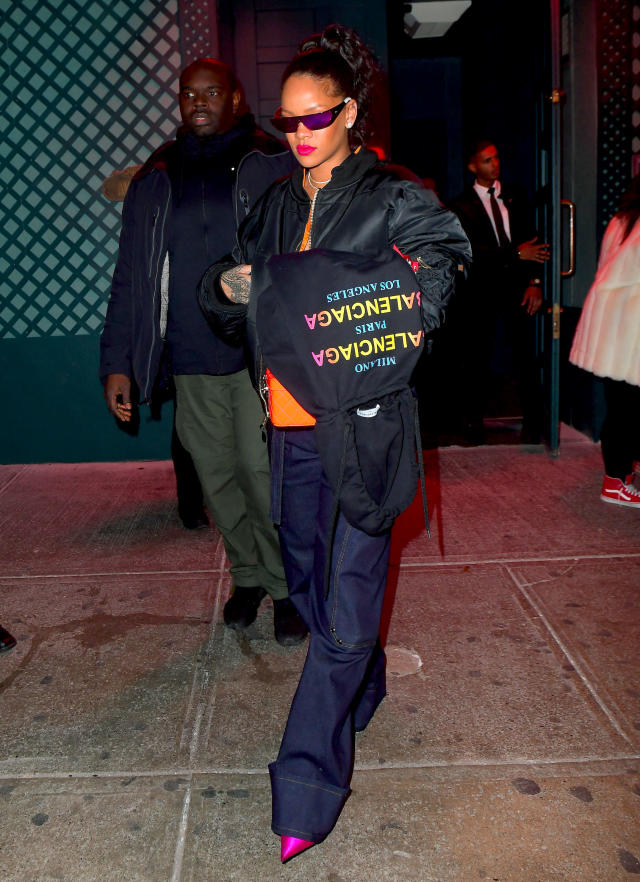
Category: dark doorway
<point>485,78</point>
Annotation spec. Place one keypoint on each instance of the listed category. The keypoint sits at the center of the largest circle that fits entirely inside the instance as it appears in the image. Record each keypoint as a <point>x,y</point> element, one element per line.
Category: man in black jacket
<point>180,215</point>
<point>504,288</point>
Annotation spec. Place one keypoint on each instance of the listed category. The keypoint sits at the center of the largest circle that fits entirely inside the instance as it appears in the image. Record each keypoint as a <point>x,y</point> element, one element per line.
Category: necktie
<point>503,239</point>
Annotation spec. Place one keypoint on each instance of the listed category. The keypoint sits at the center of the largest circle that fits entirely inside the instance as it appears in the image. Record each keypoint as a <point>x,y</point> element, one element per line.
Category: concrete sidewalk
<point>135,730</point>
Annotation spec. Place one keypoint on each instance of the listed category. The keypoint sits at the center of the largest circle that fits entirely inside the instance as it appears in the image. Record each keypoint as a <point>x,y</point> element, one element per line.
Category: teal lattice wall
<point>87,86</point>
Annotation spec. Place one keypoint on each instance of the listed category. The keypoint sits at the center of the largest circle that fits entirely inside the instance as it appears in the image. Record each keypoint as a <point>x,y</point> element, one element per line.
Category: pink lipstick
<point>304,149</point>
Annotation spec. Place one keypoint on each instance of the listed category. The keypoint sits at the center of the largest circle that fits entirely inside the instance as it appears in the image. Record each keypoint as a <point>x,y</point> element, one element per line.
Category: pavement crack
<point>522,584</point>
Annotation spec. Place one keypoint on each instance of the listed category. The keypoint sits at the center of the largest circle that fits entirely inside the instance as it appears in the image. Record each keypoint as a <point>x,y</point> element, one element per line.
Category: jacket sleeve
<point>115,340</point>
<point>611,240</point>
<point>433,236</point>
<point>227,319</point>
<point>524,229</point>
<point>487,259</point>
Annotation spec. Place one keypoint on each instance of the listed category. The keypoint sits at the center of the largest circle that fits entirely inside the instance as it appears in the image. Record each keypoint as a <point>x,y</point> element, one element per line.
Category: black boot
<point>194,520</point>
<point>7,641</point>
<point>242,607</point>
<point>288,627</point>
<point>190,500</point>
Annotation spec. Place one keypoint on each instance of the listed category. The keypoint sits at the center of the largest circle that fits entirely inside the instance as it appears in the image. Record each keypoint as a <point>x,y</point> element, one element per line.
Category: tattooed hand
<point>236,283</point>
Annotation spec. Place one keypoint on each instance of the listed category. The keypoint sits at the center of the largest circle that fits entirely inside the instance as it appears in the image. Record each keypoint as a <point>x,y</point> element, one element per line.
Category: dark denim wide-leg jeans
<point>343,679</point>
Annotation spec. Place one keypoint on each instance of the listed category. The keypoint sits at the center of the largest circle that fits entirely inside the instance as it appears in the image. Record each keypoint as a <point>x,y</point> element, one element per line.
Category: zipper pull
<point>263,392</point>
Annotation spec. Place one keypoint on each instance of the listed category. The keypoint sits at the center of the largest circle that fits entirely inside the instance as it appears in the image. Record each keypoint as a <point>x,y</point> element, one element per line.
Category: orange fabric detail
<point>284,410</point>
<point>307,233</point>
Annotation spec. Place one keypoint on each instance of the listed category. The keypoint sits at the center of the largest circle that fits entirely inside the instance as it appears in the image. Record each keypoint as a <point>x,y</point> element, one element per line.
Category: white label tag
<point>373,411</point>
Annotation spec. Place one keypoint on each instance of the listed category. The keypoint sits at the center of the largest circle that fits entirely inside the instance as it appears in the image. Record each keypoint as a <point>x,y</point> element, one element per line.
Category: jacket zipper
<point>155,290</point>
<point>263,391</point>
<point>235,189</point>
<point>153,241</point>
<point>204,219</point>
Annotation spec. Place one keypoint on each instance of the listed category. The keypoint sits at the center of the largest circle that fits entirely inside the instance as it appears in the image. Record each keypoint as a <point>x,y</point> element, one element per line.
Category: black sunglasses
<point>313,121</point>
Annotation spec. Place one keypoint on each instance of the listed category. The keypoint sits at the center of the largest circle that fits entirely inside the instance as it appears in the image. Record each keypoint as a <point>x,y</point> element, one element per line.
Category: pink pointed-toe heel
<point>290,846</point>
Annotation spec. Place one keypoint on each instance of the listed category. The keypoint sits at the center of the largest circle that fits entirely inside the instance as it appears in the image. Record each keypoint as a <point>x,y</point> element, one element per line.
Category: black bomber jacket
<point>367,207</point>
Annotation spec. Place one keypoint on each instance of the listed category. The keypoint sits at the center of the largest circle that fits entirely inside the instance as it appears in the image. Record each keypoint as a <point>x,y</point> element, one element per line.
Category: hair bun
<point>310,43</point>
<point>335,36</point>
<point>339,54</point>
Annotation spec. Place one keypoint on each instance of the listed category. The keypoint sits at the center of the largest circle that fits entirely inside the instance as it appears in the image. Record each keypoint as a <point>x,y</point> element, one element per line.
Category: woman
<point>607,343</point>
<point>343,199</point>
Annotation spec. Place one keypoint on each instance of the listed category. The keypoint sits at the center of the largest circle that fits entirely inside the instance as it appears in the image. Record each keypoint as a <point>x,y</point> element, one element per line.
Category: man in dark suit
<point>502,293</point>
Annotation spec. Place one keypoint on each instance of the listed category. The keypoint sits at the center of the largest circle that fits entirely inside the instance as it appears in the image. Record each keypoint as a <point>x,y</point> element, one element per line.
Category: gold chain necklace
<point>312,209</point>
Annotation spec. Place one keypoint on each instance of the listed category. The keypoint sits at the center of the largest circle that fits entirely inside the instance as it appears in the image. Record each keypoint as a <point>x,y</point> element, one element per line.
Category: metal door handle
<point>572,237</point>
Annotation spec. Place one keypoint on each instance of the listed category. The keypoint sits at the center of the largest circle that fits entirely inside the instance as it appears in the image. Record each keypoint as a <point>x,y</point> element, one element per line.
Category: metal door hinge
<point>555,311</point>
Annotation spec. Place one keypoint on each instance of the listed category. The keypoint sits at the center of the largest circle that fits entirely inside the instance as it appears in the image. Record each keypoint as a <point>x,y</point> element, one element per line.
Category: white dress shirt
<point>485,198</point>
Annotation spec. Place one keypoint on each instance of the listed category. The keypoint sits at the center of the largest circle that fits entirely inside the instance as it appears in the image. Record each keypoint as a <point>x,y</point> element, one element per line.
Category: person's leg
<point>253,477</point>
<point>189,491</point>
<point>521,330</point>
<point>476,323</point>
<point>620,439</point>
<point>218,423</point>
<point>310,779</point>
<point>620,435</point>
<point>634,426</point>
<point>299,501</point>
<point>204,422</point>
<point>372,691</point>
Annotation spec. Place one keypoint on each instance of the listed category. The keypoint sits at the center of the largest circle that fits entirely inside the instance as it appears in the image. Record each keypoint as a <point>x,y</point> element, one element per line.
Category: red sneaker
<point>616,491</point>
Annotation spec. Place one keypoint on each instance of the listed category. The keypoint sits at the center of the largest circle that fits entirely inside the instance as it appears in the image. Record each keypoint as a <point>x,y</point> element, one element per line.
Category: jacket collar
<point>245,133</point>
<point>190,146</point>
<point>505,193</point>
<point>349,172</point>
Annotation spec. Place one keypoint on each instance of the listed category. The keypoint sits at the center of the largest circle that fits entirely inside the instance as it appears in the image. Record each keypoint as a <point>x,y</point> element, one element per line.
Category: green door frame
<point>549,178</point>
<point>554,276</point>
